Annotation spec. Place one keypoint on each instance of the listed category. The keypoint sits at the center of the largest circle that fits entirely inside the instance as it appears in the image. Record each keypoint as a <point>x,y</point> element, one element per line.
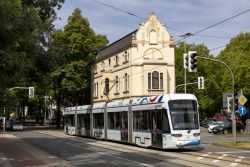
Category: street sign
<point>242,110</point>
<point>242,100</point>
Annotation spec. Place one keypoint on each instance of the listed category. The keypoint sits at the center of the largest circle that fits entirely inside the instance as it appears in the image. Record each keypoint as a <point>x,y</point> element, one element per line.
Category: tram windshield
<point>184,114</point>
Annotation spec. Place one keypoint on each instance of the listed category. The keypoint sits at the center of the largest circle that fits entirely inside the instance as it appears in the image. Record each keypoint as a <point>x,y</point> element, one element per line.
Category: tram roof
<point>162,98</point>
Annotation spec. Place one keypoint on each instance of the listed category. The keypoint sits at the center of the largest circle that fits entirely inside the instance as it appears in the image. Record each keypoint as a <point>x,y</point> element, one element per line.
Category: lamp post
<point>45,108</point>
<point>4,116</point>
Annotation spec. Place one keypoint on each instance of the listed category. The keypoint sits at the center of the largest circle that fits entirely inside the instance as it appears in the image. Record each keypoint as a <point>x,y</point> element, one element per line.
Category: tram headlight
<point>196,134</point>
<point>176,135</point>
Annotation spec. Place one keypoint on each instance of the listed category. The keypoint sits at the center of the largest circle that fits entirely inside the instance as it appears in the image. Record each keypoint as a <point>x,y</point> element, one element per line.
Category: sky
<point>179,16</point>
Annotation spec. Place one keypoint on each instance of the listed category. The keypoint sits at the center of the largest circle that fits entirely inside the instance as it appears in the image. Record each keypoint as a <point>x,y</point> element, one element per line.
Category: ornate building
<point>141,63</point>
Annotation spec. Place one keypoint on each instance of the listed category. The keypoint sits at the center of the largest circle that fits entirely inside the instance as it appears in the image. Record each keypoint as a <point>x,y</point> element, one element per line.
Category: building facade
<point>141,63</point>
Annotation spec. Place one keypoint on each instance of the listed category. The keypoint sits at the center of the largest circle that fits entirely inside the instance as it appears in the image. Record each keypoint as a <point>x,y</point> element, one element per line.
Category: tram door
<point>156,135</point>
<point>156,139</point>
<point>124,126</point>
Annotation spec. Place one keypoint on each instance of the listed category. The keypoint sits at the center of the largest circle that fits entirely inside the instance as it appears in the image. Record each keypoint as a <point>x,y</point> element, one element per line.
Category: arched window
<point>155,80</point>
<point>153,37</point>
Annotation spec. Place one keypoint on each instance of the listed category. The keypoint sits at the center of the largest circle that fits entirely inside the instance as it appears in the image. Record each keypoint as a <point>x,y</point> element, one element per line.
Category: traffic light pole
<point>4,118</point>
<point>185,84</point>
<point>233,109</point>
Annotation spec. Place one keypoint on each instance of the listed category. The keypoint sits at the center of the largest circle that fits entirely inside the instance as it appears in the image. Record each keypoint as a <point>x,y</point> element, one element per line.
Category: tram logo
<point>153,99</point>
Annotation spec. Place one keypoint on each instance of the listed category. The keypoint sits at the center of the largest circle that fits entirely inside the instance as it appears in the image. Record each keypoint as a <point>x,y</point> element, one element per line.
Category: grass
<point>239,144</point>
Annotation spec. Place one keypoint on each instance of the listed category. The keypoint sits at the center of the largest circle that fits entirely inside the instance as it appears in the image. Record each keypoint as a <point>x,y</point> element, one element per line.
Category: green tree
<point>236,56</point>
<point>210,98</point>
<point>73,49</point>
<point>24,30</point>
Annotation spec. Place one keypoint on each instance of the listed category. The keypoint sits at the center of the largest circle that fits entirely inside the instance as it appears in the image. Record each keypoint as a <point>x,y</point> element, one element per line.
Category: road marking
<point>238,160</point>
<point>199,158</point>
<point>125,159</point>
<point>234,164</point>
<point>220,157</point>
<point>241,157</point>
<point>4,161</point>
<point>224,155</point>
<point>204,155</point>
<point>228,152</point>
<point>116,157</point>
<point>215,161</point>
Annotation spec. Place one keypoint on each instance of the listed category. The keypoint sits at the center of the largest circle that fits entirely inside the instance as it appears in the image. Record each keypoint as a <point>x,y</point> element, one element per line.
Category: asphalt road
<point>41,147</point>
<point>209,138</point>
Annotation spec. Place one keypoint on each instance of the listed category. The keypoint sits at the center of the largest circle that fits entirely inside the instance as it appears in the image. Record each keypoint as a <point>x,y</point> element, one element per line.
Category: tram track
<point>183,158</point>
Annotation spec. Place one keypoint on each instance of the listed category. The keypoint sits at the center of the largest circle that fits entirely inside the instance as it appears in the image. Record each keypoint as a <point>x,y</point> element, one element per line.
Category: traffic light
<point>200,82</point>
<point>31,92</point>
<point>235,90</point>
<point>236,104</point>
<point>192,56</point>
<point>185,60</point>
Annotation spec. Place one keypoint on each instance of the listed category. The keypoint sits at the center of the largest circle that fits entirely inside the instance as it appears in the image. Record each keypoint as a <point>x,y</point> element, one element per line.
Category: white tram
<point>169,121</point>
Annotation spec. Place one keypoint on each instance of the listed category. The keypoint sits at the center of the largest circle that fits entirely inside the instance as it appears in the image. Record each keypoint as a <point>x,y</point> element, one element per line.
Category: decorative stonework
<point>133,41</point>
<point>153,24</point>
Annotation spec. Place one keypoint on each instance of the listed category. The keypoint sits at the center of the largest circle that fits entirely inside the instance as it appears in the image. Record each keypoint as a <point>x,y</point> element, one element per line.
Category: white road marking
<point>125,159</point>
<point>204,155</point>
<point>238,160</point>
<point>215,161</point>
<point>143,164</point>
<point>4,161</point>
<point>199,158</point>
<point>234,164</point>
<point>220,157</point>
<point>228,152</point>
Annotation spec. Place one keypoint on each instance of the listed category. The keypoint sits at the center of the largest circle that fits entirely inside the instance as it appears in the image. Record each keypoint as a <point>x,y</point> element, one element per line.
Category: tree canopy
<point>58,62</point>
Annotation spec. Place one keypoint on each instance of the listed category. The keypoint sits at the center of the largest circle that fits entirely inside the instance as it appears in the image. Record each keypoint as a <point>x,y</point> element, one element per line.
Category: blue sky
<point>187,16</point>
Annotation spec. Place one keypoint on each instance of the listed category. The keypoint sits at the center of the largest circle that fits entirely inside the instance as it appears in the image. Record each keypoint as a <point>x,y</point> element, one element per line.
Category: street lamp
<point>4,116</point>
<point>45,108</point>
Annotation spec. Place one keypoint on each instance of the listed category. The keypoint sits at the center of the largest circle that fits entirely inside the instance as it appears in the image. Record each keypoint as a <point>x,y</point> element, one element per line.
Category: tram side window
<point>141,120</point>
<point>117,120</point>
<point>71,120</point>
<point>124,120</point>
<point>151,120</point>
<point>84,120</point>
<point>111,120</point>
<point>114,120</point>
<point>165,121</point>
<point>98,120</point>
<point>156,117</point>
<point>135,121</point>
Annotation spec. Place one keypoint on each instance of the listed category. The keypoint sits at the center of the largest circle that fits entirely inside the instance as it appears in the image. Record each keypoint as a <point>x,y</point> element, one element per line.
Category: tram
<point>169,121</point>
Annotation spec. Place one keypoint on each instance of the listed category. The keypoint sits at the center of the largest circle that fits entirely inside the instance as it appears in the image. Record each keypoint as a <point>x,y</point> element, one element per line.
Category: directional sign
<point>242,99</point>
<point>242,110</point>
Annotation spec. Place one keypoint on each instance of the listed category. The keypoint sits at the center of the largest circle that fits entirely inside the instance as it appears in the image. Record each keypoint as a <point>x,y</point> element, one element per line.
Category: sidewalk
<point>16,153</point>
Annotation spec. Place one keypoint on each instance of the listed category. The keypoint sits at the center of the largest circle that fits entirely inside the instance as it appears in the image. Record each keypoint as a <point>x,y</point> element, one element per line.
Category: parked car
<point>227,128</point>
<point>17,125</point>
<point>214,124</point>
<point>207,122</point>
